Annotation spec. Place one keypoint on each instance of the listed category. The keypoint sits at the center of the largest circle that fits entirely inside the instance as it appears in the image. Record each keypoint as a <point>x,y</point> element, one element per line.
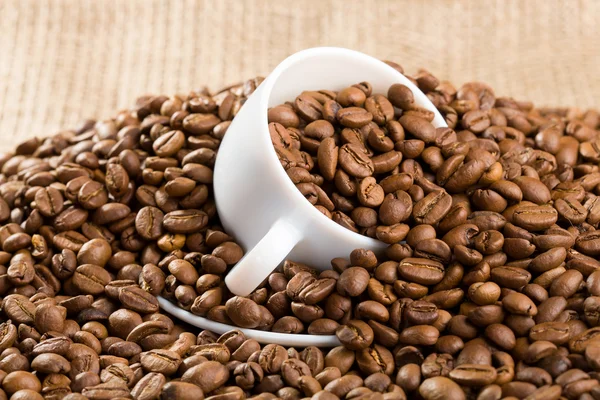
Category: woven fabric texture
<point>64,60</point>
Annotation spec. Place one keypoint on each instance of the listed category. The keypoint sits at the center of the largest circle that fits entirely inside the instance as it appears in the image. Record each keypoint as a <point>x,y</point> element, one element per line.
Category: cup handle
<point>261,260</point>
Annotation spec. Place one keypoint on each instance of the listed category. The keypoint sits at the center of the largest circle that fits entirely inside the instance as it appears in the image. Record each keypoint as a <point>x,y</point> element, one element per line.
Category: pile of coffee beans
<point>489,289</point>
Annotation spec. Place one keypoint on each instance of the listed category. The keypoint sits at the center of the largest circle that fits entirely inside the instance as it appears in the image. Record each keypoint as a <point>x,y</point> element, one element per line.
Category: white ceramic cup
<point>257,202</point>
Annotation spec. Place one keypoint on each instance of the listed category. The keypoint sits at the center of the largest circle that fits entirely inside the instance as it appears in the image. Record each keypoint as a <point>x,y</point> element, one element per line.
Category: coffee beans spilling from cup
<point>489,289</point>
<point>376,165</point>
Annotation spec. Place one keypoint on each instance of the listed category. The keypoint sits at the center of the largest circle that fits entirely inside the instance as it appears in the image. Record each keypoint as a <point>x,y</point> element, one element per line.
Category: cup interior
<point>330,68</point>
<point>334,69</point>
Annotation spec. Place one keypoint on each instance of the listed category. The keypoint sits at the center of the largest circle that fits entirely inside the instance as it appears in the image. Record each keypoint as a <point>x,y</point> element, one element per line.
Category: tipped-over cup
<point>257,202</point>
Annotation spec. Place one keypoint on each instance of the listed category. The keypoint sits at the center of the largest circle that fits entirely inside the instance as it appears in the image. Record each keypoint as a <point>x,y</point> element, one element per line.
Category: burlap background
<point>61,60</point>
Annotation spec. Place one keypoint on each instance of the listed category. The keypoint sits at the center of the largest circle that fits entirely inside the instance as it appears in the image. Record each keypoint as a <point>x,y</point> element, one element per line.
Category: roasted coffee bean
<point>369,193</point>
<point>355,335</point>
<point>421,313</point>
<point>421,270</point>
<point>353,281</point>
<point>554,332</point>
<point>185,221</point>
<point>148,223</point>
<point>473,374</point>
<point>91,279</point>
<point>535,218</point>
<point>419,335</point>
<point>92,195</point>
<point>432,208</point>
<point>243,312</point>
<point>109,390</point>
<point>511,277</point>
<point>69,219</point>
<point>517,303</point>
<point>354,161</point>
<point>164,362</point>
<point>149,387</point>
<point>49,317</point>
<point>308,107</point>
<point>283,115</point>
<point>327,158</point>
<point>375,359</point>
<point>440,387</point>
<point>138,300</point>
<point>116,179</point>
<point>21,380</point>
<point>49,201</point>
<point>354,117</point>
<point>180,390</point>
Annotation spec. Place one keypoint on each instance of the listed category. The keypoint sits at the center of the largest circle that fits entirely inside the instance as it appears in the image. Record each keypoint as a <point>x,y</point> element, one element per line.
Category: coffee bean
<point>138,300</point>
<point>375,359</point>
<point>354,161</point>
<point>535,218</point>
<point>351,96</point>
<point>283,115</point>
<point>401,96</point>
<point>319,130</point>
<point>92,195</point>
<point>421,270</point>
<point>21,380</point>
<point>292,370</point>
<point>354,117</point>
<point>421,313</point>
<point>117,179</point>
<point>180,390</point>
<point>160,361</point>
<point>243,312</point>
<point>432,208</point>
<point>588,243</point>
<point>91,279</point>
<point>94,251</point>
<point>50,363</point>
<point>418,127</point>
<point>501,335</point>
<point>184,271</point>
<point>355,335</point>
<point>49,201</point>
<point>70,219</point>
<point>369,193</point>
<point>109,390</point>
<point>419,335</point>
<point>381,109</point>
<point>483,293</point>
<point>49,317</point>
<point>148,223</point>
<point>149,386</point>
<point>510,277</point>
<point>353,281</point>
<point>473,374</point>
<point>554,332</point>
<point>199,124</point>
<point>185,221</point>
<point>308,107</point>
<point>229,252</point>
<point>169,143</point>
<point>517,303</point>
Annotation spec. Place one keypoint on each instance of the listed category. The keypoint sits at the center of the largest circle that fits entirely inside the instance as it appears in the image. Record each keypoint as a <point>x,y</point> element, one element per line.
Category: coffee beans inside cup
<point>489,289</point>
